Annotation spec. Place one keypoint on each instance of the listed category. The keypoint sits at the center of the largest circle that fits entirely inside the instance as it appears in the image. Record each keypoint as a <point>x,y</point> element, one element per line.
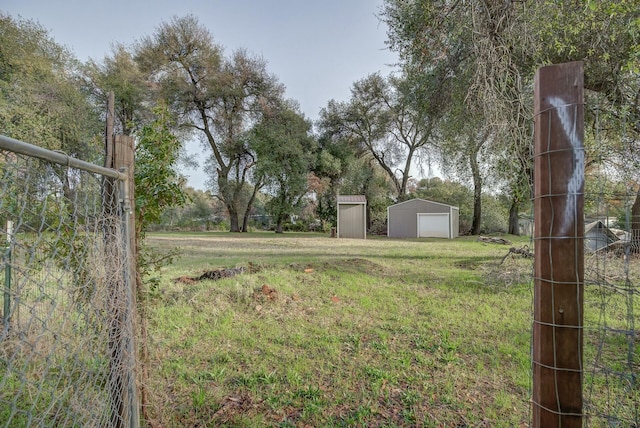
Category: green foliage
<point>285,151</point>
<point>336,152</point>
<point>491,50</point>
<point>40,100</point>
<point>120,74</point>
<point>158,184</point>
<point>201,211</point>
<point>388,120</point>
<point>43,103</point>
<point>604,35</point>
<point>366,177</point>
<point>494,215</point>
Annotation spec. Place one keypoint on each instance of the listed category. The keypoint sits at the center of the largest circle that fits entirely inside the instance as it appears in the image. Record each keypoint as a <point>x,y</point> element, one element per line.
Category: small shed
<point>525,224</point>
<point>419,218</point>
<point>352,216</point>
<point>598,236</point>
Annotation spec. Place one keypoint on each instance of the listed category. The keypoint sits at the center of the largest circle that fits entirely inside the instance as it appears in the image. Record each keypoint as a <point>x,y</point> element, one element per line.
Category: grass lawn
<point>328,332</point>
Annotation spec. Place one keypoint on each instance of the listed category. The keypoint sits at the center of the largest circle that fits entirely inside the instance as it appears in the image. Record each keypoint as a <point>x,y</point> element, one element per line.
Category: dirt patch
<point>268,292</point>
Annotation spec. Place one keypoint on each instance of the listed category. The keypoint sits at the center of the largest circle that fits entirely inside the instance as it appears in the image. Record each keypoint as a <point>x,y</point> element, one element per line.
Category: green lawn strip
<point>363,338</point>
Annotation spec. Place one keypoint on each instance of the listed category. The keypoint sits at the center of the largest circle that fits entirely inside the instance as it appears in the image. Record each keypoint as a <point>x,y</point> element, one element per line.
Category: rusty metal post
<point>559,254</point>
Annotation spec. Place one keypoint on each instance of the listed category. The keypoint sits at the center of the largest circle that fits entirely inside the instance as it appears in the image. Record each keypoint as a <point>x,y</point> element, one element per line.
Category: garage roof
<point>422,200</point>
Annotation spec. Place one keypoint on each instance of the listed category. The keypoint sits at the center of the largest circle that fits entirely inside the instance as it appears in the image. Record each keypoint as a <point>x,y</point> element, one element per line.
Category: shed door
<point>351,221</point>
<point>433,225</point>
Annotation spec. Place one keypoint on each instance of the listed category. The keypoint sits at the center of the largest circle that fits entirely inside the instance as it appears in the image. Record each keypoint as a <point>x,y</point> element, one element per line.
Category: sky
<point>317,48</point>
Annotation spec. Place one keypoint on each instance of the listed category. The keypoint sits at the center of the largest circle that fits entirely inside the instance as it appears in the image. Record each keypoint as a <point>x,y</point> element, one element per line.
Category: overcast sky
<point>317,48</point>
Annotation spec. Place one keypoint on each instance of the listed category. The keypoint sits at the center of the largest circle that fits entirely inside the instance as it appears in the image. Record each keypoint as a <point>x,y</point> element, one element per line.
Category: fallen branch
<point>524,252</point>
<point>491,240</point>
<point>212,275</point>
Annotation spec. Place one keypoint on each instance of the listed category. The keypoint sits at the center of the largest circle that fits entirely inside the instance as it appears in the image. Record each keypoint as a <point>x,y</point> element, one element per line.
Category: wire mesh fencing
<point>612,348</point>
<point>67,355</point>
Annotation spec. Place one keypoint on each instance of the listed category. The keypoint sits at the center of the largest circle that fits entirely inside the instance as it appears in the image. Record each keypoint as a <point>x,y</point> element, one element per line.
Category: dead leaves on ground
<point>232,406</point>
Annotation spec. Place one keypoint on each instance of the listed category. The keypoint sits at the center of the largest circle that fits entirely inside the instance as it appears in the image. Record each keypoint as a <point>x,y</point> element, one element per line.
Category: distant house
<point>598,236</point>
<point>352,216</point>
<point>419,218</point>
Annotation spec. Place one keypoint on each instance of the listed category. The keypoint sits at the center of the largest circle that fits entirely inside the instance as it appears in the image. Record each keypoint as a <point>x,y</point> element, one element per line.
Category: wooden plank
<point>558,232</point>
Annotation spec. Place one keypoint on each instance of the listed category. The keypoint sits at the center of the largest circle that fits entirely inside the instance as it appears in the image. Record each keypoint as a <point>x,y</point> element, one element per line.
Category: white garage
<point>419,218</point>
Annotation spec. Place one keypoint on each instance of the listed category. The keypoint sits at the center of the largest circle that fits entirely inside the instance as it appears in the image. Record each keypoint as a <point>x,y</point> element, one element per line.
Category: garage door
<point>433,225</point>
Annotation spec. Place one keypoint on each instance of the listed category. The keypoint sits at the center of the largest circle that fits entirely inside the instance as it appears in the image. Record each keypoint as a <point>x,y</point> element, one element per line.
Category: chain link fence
<point>67,354</point>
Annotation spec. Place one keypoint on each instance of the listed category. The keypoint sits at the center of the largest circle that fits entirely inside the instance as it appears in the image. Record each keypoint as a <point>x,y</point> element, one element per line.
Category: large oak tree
<point>216,97</point>
<point>390,120</point>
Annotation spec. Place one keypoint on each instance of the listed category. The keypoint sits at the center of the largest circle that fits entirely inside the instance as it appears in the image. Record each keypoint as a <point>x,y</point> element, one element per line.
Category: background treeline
<point>457,106</point>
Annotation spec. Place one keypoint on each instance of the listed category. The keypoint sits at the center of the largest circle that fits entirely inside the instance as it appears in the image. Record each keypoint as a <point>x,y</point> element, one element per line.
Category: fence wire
<point>66,344</point>
<point>612,350</point>
<point>612,271</point>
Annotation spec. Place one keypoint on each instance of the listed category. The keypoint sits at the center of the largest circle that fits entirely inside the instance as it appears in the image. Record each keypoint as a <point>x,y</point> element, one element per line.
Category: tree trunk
<point>477,193</point>
<point>233,218</point>
<point>635,224</point>
<point>228,195</point>
<point>247,212</point>
<point>279,222</point>
<point>514,228</point>
<point>245,220</point>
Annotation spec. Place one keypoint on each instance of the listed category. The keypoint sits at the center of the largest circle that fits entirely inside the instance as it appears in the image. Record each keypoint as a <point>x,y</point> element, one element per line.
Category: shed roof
<point>597,236</point>
<point>422,200</point>
<point>352,199</point>
<point>599,225</point>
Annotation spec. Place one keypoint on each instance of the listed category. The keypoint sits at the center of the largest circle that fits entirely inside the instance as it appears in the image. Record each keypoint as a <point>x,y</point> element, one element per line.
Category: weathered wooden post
<point>118,202</point>
<point>559,252</point>
<point>124,155</point>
